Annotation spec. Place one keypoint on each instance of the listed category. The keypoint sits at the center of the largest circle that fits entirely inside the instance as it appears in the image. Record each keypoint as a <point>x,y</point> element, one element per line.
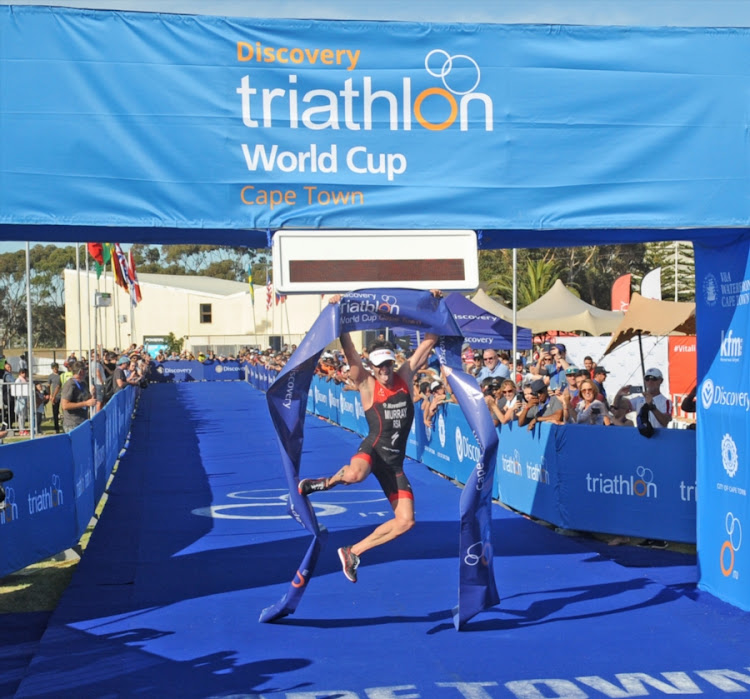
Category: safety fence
<point>580,477</point>
<point>58,481</point>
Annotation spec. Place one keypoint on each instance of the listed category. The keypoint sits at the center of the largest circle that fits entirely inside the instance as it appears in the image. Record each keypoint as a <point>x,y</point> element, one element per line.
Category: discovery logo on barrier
<point>733,528</point>
<point>466,448</point>
<point>714,394</point>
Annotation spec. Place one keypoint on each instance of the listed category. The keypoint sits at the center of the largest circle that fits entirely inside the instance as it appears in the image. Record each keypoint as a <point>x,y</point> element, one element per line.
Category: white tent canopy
<point>560,309</point>
<point>489,304</point>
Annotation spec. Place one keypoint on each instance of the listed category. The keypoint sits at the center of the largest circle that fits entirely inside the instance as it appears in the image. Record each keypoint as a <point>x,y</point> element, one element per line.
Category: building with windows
<point>206,313</point>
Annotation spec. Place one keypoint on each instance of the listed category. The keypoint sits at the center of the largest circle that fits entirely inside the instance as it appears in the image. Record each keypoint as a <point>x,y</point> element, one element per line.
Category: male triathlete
<point>389,409</point>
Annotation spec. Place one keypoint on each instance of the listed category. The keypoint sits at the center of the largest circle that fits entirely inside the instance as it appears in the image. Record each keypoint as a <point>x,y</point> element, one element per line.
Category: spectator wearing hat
<point>571,379</point>
<point>540,406</point>
<point>600,376</point>
<point>121,377</point>
<point>652,401</point>
<point>439,395</point>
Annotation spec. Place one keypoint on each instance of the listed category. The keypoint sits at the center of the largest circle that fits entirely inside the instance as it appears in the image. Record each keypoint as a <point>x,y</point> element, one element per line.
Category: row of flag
<point>270,296</point>
<point>123,268</point>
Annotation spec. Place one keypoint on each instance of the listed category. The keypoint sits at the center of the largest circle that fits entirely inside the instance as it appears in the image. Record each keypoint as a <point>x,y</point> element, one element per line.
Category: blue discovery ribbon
<point>372,309</point>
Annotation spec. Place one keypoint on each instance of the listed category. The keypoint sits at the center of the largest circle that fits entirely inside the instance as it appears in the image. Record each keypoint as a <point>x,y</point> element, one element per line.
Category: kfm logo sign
<point>730,349</point>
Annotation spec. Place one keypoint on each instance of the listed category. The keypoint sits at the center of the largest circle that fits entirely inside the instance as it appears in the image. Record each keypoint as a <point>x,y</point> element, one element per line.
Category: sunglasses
<point>651,378</point>
<point>509,391</point>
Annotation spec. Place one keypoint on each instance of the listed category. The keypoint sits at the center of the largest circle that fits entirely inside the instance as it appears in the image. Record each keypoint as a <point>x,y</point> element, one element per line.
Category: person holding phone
<point>649,398</point>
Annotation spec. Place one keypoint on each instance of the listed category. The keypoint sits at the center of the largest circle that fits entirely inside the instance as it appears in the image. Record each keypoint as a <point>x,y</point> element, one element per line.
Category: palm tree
<point>534,280</point>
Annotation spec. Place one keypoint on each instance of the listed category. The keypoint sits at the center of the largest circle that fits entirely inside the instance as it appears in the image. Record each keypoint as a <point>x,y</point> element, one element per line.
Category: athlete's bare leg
<point>354,472</point>
<point>402,522</point>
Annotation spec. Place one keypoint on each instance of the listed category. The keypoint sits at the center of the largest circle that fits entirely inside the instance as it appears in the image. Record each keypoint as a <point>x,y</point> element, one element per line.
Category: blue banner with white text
<point>722,281</point>
<point>336,124</point>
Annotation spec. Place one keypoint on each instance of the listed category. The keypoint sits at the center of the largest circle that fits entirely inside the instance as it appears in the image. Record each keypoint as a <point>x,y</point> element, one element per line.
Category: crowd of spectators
<point>547,387</point>
<point>60,397</point>
<point>543,387</point>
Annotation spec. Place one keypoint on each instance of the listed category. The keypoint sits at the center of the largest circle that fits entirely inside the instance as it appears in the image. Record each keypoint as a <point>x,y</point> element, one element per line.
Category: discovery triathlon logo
<point>363,308</point>
<point>351,105</point>
<point>640,485</point>
<point>730,349</point>
<point>733,527</point>
<point>441,429</point>
<point>466,448</point>
<point>714,394</point>
<point>729,455</point>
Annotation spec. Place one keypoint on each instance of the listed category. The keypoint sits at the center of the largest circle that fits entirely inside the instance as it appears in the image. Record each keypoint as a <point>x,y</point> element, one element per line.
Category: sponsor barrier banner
<point>722,283</point>
<point>288,401</point>
<point>188,370</point>
<point>56,484</point>
<point>402,125</point>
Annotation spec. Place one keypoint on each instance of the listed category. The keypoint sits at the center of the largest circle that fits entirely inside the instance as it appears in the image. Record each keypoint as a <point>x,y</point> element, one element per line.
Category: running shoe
<point>349,563</point>
<point>312,485</point>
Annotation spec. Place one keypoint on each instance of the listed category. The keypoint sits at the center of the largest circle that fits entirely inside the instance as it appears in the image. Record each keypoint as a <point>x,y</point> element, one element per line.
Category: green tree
<point>173,344</point>
<point>219,261</point>
<point>677,262</point>
<point>588,271</point>
<point>535,279</point>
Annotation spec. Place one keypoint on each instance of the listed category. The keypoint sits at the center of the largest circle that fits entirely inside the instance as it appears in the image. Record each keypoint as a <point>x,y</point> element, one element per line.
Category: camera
<point>636,389</point>
<point>596,410</point>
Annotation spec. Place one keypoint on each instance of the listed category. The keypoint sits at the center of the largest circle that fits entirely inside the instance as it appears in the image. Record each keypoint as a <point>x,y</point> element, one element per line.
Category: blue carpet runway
<point>194,542</point>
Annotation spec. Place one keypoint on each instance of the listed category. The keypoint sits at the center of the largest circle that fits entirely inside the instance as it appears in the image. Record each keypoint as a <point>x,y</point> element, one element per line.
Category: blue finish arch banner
<point>722,282</point>
<point>165,123</point>
<point>288,400</point>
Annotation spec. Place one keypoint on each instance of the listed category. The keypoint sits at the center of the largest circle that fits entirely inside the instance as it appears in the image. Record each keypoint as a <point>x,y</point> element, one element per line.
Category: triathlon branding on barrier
<point>641,485</point>
<point>287,401</point>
